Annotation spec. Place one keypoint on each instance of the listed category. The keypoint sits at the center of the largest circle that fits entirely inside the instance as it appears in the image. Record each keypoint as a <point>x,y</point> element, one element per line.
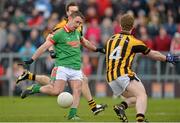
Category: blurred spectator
<point>141,21</point>
<point>116,24</point>
<point>108,14</point>
<point>19,18</point>
<point>121,6</point>
<point>162,38</point>
<point>93,32</point>
<point>27,6</point>
<point>44,6</point>
<point>145,65</point>
<point>170,26</point>
<point>27,50</point>
<point>11,45</point>
<point>3,35</point>
<point>162,43</point>
<point>91,14</point>
<point>175,48</point>
<point>5,17</point>
<point>35,37</point>
<point>13,28</point>
<point>58,6</point>
<point>36,20</point>
<point>102,6</point>
<point>145,37</point>
<point>106,30</point>
<point>153,26</point>
<point>138,5</point>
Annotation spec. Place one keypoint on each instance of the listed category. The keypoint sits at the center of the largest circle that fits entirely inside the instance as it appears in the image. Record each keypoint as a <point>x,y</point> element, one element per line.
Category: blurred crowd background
<point>24,24</point>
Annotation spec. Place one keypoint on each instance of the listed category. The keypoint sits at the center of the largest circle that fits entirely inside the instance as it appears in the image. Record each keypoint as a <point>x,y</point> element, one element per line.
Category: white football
<point>65,99</point>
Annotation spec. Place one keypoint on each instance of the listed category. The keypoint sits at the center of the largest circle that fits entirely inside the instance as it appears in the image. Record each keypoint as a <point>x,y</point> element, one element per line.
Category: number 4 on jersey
<point>116,53</point>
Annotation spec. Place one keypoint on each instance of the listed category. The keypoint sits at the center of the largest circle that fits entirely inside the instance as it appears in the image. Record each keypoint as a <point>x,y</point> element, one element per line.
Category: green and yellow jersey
<point>120,52</point>
<point>67,48</point>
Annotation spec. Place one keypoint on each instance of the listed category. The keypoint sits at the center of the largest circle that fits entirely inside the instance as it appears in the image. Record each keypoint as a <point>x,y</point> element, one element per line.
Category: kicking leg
<point>95,108</point>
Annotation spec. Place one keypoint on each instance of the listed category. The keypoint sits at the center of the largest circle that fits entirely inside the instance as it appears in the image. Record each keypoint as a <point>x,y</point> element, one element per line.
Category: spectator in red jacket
<point>162,41</point>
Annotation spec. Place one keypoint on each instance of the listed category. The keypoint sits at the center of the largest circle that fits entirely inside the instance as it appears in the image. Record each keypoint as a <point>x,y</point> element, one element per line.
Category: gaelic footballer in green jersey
<point>68,61</point>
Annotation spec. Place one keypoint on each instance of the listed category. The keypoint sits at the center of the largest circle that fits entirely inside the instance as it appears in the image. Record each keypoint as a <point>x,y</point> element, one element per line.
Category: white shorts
<point>66,74</point>
<point>120,84</point>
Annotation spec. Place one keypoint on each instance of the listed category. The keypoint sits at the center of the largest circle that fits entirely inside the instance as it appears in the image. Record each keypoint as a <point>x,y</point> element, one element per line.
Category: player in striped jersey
<point>120,52</point>
<point>43,79</point>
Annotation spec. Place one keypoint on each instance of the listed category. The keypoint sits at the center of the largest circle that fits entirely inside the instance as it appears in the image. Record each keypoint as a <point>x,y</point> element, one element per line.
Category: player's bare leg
<point>42,79</point>
<point>54,88</point>
<point>95,108</point>
<point>76,86</point>
<point>51,89</point>
<point>129,101</point>
<point>137,89</point>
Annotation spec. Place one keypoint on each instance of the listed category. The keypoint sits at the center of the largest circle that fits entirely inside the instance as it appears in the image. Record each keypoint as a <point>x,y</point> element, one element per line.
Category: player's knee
<point>55,92</point>
<point>85,80</point>
<point>77,91</point>
<point>143,95</point>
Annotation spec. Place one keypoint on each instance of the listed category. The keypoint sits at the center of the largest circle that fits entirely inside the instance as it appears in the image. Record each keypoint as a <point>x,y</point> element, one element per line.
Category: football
<point>65,99</point>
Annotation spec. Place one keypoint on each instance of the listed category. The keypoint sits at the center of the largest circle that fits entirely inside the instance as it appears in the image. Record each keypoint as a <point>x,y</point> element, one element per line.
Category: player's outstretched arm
<point>51,49</point>
<point>39,52</point>
<point>86,43</point>
<point>165,58</point>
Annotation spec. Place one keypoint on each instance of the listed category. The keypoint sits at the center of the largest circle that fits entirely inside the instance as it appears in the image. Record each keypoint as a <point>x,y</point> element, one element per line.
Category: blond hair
<point>127,22</point>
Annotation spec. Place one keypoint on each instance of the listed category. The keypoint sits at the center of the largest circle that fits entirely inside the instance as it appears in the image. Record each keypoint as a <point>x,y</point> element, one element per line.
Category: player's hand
<point>52,54</point>
<point>101,50</point>
<point>28,62</point>
<point>172,58</point>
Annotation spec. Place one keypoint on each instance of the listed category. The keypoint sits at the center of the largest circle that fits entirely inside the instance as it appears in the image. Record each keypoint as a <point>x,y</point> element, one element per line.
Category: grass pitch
<point>45,109</point>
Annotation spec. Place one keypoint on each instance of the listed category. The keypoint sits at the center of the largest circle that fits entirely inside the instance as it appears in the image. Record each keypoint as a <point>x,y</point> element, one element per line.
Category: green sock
<point>72,112</point>
<point>36,88</point>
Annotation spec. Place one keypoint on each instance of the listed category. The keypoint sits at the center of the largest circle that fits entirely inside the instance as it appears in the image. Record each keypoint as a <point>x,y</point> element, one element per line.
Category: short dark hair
<point>71,4</point>
<point>77,13</point>
<point>127,22</point>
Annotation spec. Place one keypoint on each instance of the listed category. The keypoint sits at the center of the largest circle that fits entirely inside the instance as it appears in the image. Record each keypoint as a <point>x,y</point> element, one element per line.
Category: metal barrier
<point>154,75</point>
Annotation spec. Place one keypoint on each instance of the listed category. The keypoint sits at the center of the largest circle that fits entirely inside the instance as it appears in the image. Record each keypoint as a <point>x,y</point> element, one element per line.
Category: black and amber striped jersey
<point>62,23</point>
<point>120,52</point>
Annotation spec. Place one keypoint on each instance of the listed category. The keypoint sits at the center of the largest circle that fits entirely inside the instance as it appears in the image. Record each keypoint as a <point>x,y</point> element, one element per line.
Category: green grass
<point>45,109</point>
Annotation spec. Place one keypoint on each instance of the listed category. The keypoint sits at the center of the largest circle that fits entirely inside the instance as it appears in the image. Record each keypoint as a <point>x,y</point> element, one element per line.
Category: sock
<point>31,76</point>
<point>140,117</point>
<point>92,105</point>
<point>36,88</point>
<point>124,105</point>
<point>72,113</point>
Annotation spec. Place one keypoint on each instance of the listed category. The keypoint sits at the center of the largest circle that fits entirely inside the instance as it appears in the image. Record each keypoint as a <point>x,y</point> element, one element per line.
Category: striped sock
<point>140,117</point>
<point>92,105</point>
<point>124,105</point>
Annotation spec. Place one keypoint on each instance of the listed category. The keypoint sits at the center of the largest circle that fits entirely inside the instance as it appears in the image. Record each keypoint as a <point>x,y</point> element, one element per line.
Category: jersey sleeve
<point>140,47</point>
<point>55,38</point>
